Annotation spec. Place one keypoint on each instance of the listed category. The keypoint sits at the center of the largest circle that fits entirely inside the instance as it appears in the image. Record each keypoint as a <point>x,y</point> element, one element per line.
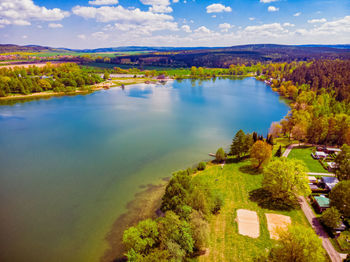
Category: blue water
<point>69,165</point>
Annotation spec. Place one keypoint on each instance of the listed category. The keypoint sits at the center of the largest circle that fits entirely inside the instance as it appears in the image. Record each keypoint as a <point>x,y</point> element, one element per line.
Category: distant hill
<point>28,48</point>
<point>202,56</point>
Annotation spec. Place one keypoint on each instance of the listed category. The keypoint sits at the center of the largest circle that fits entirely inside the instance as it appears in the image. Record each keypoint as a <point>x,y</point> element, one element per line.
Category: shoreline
<point>100,86</point>
<point>143,206</point>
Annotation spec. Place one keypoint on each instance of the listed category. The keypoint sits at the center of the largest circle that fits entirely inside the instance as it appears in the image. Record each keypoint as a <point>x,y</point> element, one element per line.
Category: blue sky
<point>106,23</point>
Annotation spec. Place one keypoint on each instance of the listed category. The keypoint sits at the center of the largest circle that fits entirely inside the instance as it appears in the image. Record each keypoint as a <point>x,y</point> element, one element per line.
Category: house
<point>320,154</point>
<point>329,182</point>
<point>332,166</point>
<point>322,203</point>
<point>330,150</point>
<point>312,179</point>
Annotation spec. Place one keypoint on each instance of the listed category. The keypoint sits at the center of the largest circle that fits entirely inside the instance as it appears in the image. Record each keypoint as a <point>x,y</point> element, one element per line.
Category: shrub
<point>217,200</point>
<point>202,166</point>
<point>331,218</point>
<point>220,155</point>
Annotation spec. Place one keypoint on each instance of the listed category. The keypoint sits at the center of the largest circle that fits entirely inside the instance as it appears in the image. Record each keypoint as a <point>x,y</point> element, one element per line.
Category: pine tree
<point>279,152</point>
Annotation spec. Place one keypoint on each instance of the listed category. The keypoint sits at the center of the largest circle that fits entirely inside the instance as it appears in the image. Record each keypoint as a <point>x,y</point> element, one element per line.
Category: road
<point>326,243</point>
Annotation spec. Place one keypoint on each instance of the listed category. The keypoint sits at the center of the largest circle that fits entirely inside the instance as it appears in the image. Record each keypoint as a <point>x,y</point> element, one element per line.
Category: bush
<point>217,202</point>
<point>220,155</point>
<point>202,166</point>
<point>331,218</point>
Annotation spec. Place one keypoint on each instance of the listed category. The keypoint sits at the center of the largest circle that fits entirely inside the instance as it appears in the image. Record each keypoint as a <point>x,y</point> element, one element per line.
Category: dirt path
<point>326,243</point>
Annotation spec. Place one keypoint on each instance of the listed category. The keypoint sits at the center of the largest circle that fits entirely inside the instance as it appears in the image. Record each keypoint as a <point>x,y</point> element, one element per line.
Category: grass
<point>284,142</point>
<point>236,182</point>
<point>304,154</point>
<point>343,241</point>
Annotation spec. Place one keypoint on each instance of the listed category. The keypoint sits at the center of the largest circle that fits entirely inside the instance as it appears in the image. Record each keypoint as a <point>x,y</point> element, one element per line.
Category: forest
<point>319,92</point>
<point>62,78</point>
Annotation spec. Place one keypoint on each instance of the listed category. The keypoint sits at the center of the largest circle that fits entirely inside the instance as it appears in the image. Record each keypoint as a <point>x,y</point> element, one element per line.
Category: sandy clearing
<point>275,223</point>
<point>248,223</point>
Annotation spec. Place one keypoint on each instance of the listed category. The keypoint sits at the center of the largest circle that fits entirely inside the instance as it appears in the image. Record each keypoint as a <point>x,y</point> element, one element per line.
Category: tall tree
<point>238,145</point>
<point>299,244</point>
<point>220,155</point>
<point>260,153</point>
<point>340,197</point>
<point>343,162</point>
<point>286,178</point>
<point>331,218</point>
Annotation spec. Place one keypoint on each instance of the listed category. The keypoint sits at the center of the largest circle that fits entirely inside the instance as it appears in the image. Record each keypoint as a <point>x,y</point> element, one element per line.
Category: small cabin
<point>322,203</point>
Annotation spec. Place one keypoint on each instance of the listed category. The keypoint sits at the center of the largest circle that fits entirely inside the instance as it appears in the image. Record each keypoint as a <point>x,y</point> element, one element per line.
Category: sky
<point>83,24</point>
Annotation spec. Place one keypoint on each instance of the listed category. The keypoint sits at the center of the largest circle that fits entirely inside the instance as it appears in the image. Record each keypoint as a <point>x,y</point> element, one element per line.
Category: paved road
<point>320,174</point>
<point>326,243</point>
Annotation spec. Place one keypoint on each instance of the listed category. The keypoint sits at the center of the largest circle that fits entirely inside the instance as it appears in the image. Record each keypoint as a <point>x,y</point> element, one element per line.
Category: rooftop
<point>322,201</point>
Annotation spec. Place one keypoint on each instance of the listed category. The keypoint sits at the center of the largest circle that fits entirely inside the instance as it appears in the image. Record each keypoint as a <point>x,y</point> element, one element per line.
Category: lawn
<point>304,154</point>
<point>236,181</point>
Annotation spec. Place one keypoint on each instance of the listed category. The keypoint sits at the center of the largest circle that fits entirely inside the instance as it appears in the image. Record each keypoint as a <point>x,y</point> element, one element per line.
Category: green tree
<point>260,153</point>
<point>202,165</point>
<point>140,239</point>
<point>340,197</point>
<point>177,192</point>
<point>220,155</point>
<point>106,75</point>
<point>299,244</point>
<point>200,230</point>
<point>279,152</point>
<point>343,162</point>
<point>285,179</point>
<point>173,230</point>
<point>44,84</point>
<point>238,143</point>
<point>331,218</point>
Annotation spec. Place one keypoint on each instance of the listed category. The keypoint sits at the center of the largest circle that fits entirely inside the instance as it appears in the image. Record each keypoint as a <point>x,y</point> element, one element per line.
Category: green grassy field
<point>304,154</point>
<point>237,182</point>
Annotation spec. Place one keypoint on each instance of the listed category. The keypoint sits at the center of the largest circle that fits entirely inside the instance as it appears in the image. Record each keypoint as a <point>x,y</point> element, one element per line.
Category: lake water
<point>69,165</point>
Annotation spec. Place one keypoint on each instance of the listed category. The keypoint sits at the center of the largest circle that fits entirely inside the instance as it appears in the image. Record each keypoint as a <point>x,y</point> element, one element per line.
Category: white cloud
<point>175,1</point>
<point>313,21</point>
<point>272,8</point>
<point>158,6</point>
<point>273,30</point>
<point>202,29</point>
<point>100,36</point>
<point>24,36</point>
<point>82,36</point>
<point>225,27</point>
<point>21,12</point>
<point>103,2</point>
<point>268,1</point>
<point>288,24</point>
<point>218,8</point>
<point>186,28</point>
<point>21,22</point>
<point>297,14</point>
<point>54,25</point>
<point>120,14</point>
<point>251,18</point>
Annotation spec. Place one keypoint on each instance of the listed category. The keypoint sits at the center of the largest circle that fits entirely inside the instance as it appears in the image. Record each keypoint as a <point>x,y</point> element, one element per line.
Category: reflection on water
<point>70,164</point>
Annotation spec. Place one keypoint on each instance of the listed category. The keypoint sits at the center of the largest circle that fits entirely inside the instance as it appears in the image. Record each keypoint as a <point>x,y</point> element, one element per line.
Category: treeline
<point>182,230</point>
<point>58,78</point>
<point>320,92</point>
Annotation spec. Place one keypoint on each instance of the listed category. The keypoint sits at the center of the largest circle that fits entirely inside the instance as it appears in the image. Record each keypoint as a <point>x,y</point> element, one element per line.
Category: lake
<point>69,165</point>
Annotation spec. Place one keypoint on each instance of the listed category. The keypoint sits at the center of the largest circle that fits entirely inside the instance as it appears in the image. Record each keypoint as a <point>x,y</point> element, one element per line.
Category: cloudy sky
<point>107,23</point>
